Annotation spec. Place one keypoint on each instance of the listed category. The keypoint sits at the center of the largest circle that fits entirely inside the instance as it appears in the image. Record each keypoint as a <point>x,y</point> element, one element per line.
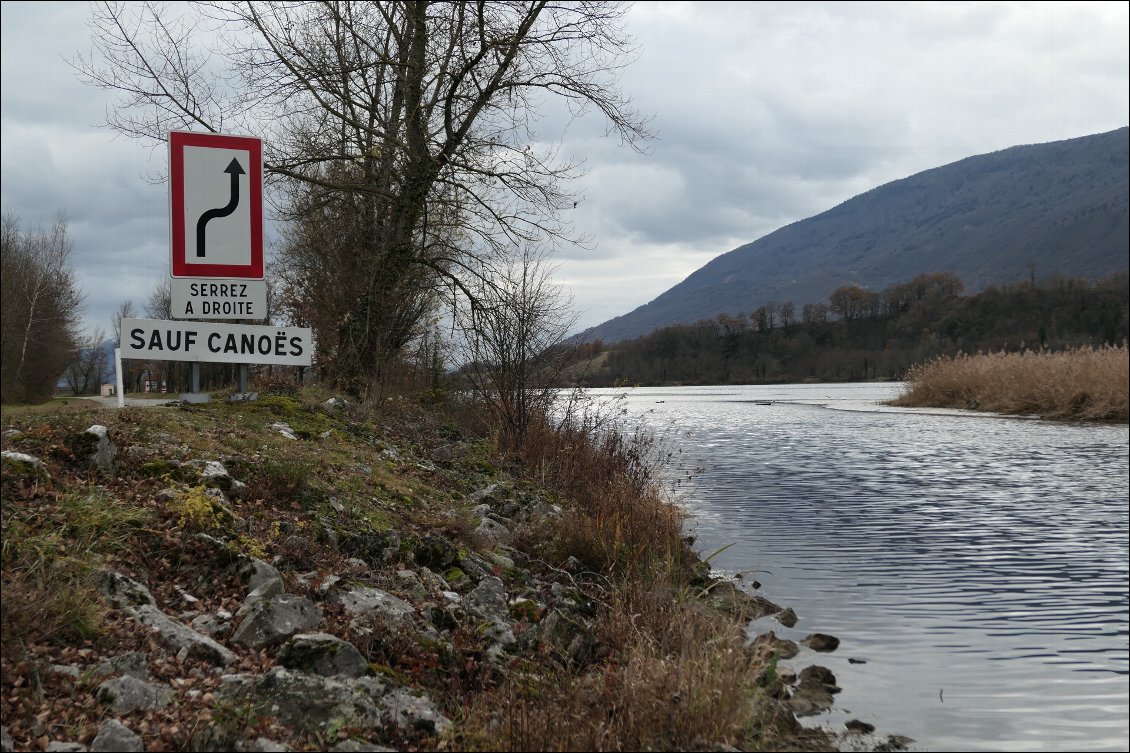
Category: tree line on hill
<point>859,334</point>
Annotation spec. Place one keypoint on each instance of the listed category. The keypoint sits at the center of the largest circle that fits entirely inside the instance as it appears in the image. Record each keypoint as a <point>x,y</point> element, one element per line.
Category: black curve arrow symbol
<point>213,214</point>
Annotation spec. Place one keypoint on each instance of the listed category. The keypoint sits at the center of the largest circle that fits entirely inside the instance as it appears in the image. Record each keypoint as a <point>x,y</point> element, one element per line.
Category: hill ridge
<point>1059,208</point>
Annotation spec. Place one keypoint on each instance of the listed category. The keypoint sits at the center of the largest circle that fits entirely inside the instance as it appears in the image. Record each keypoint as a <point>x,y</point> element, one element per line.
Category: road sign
<point>216,205</point>
<point>213,298</point>
<point>159,340</point>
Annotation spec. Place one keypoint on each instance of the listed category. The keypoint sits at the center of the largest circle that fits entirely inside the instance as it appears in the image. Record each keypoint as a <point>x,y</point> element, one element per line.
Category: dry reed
<point>682,678</point>
<point>1080,384</point>
<point>677,675</point>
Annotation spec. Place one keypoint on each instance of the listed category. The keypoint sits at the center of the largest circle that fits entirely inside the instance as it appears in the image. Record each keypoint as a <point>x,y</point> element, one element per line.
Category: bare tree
<point>125,311</point>
<point>408,123</point>
<point>787,312</point>
<point>41,309</point>
<point>87,370</point>
<point>514,343</point>
<point>159,305</point>
<point>814,313</point>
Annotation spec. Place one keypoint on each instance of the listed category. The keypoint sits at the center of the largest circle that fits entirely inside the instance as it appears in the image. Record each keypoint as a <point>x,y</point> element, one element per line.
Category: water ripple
<point>984,556</point>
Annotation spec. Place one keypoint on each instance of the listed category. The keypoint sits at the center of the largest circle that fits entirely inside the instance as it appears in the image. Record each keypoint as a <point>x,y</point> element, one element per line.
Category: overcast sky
<point>766,113</point>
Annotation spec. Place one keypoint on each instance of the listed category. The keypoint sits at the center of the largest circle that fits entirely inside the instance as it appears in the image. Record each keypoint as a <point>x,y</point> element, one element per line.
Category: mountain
<point>1060,208</point>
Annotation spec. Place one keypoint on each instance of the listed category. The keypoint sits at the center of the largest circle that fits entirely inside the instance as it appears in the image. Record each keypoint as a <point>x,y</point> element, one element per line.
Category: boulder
<point>727,597</point>
<point>134,664</point>
<point>94,447</point>
<point>814,691</point>
<point>262,745</point>
<point>770,645</point>
<point>436,553</point>
<point>283,429</point>
<point>22,465</point>
<point>211,473</point>
<point>273,620</point>
<point>821,642</point>
<point>312,703</point>
<point>322,654</point>
<point>787,617</point>
<point>124,592</point>
<point>267,590</point>
<point>488,602</point>
<point>113,735</point>
<point>213,625</point>
<point>125,694</point>
<point>490,532</point>
<point>135,600</point>
<point>255,572</point>
<point>356,746</point>
<point>569,636</point>
<point>369,604</point>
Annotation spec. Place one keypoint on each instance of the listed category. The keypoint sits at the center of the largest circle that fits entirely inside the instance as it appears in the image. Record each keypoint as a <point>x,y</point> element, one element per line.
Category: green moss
<point>160,469</point>
<point>18,468</point>
<point>525,609</point>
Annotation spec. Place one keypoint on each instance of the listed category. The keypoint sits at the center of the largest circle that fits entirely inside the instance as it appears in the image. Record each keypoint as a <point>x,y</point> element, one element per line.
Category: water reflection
<point>977,565</point>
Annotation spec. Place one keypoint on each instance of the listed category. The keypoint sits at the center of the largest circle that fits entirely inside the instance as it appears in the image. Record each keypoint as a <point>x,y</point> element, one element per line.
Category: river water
<point>974,567</point>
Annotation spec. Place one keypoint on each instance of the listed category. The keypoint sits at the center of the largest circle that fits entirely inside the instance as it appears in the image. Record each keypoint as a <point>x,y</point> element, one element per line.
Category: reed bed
<point>1089,384</point>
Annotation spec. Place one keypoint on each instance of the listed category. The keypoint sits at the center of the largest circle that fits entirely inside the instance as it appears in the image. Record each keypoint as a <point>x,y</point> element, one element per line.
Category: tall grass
<point>681,679</point>
<point>675,674</point>
<point>618,520</point>
<point>51,554</point>
<point>1084,383</point>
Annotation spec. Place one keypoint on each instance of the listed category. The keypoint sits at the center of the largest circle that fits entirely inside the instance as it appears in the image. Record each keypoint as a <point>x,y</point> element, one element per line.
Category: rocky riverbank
<point>301,574</point>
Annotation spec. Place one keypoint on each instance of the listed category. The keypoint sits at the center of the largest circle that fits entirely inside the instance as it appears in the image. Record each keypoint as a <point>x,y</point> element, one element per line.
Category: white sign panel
<point>216,203</point>
<point>159,340</point>
<point>203,298</point>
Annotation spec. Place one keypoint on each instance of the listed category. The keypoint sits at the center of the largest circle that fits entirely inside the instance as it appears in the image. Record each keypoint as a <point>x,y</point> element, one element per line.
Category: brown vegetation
<point>1084,383</point>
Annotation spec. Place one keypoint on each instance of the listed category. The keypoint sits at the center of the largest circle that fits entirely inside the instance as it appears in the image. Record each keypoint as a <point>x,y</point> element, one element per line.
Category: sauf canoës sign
<point>207,341</point>
<point>216,221</point>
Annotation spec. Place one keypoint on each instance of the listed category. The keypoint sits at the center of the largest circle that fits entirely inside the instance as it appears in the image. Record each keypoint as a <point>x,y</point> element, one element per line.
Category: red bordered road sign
<point>216,205</point>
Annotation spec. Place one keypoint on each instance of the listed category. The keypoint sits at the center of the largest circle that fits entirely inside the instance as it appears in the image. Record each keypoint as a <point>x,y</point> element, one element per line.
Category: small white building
<point>108,390</point>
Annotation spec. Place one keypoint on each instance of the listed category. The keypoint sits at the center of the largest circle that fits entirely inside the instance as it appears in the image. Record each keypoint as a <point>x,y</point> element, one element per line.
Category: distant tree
<point>771,314</point>
<point>814,313</point>
<point>88,369</point>
<point>125,311</point>
<point>40,310</point>
<point>761,319</point>
<point>851,302</point>
<point>787,313</point>
<point>159,304</point>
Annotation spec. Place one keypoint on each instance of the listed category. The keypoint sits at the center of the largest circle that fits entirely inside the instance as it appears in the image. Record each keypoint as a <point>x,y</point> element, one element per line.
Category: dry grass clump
<point>1084,383</point>
<point>618,520</point>
<point>675,673</point>
<point>51,553</point>
<point>682,678</point>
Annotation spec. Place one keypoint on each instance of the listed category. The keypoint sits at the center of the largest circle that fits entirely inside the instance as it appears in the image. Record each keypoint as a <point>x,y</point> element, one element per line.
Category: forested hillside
<point>859,334</point>
<point>1050,209</point>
